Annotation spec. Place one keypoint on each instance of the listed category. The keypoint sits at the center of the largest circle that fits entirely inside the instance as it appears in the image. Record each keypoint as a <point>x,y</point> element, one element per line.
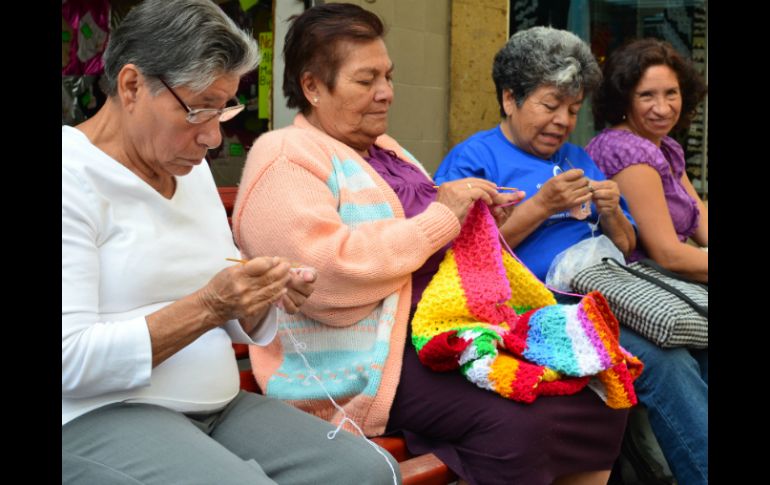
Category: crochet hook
<point>498,188</point>
<point>295,267</point>
<point>244,261</point>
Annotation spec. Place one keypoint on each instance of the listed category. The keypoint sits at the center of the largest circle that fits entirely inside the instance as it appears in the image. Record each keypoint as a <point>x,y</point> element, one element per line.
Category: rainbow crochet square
<point>487,315</point>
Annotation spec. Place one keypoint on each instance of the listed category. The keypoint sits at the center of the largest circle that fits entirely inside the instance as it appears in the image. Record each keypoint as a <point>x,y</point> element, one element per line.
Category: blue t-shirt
<point>489,155</point>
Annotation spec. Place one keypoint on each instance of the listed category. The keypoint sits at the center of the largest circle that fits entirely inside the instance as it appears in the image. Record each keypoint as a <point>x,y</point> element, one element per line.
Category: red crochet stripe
<point>516,340</point>
<point>442,352</point>
<point>625,378</point>
<point>563,387</point>
<point>523,385</point>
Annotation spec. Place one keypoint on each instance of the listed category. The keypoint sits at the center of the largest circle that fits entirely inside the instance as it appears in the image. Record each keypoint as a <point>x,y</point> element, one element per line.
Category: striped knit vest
<point>352,377</point>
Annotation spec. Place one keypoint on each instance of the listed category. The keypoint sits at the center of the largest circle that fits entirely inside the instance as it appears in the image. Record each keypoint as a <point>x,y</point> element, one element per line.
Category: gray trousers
<point>255,439</point>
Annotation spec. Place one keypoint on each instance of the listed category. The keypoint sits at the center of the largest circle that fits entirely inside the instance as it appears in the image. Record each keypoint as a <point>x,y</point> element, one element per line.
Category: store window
<point>85,29</point>
<point>607,24</point>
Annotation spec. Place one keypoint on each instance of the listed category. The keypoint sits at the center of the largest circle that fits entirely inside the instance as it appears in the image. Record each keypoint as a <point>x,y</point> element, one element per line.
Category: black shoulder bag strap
<point>660,269</point>
<point>655,281</point>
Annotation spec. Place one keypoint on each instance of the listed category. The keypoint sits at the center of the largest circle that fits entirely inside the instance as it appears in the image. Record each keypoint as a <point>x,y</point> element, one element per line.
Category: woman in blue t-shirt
<point>542,75</point>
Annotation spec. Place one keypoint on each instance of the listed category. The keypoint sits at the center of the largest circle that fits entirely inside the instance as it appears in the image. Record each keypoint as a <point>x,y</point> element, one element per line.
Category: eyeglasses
<point>202,115</point>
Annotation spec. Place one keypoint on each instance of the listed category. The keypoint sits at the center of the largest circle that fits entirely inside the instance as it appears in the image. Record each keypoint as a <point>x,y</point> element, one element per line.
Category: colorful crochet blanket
<point>485,313</point>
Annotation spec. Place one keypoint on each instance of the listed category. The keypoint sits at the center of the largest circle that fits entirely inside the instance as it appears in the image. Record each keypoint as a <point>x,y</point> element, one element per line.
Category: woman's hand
<point>300,287</point>
<point>502,212</point>
<point>615,225</point>
<point>460,195</point>
<point>606,197</point>
<point>246,290</point>
<point>242,292</point>
<point>564,191</point>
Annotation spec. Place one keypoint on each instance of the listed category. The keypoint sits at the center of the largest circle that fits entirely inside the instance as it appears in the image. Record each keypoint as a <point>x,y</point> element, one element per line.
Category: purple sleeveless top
<point>613,150</point>
<point>416,192</point>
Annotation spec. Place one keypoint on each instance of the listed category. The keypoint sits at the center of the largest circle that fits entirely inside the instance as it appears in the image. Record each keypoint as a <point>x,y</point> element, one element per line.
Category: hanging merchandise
<point>247,4</point>
<point>265,73</point>
<point>78,99</point>
<point>695,148</point>
<point>90,23</point>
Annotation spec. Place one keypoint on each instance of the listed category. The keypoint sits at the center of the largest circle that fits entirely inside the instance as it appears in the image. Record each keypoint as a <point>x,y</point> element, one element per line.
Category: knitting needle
<point>498,188</point>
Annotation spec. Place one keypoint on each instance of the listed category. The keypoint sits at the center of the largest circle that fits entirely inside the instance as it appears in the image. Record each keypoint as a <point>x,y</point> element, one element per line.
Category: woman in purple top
<point>648,90</point>
<point>415,191</point>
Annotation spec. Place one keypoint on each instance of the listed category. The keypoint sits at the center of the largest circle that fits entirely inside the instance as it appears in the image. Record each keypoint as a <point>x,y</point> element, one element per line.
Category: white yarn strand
<point>299,347</point>
<point>595,226</point>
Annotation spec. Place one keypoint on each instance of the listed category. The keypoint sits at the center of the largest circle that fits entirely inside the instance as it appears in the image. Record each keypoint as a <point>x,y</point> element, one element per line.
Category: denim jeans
<point>674,388</point>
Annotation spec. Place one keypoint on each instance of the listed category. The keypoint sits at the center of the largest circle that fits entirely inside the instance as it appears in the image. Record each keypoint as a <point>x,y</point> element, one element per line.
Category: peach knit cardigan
<point>314,200</point>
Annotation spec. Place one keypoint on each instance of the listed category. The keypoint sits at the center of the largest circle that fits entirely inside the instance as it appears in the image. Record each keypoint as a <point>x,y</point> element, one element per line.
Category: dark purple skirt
<point>487,439</point>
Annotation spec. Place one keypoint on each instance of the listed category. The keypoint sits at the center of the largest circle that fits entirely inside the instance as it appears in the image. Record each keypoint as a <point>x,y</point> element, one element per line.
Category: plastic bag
<point>575,258</point>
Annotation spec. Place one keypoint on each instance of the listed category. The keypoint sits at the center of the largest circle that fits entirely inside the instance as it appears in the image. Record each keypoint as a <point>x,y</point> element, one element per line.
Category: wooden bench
<point>415,470</point>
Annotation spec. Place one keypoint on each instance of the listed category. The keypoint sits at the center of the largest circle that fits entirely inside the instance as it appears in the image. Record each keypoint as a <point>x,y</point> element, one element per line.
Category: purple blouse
<point>415,191</point>
<point>613,150</point>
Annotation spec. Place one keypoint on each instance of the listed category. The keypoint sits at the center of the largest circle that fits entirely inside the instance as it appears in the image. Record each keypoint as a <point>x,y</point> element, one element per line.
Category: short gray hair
<point>188,42</point>
<point>544,56</point>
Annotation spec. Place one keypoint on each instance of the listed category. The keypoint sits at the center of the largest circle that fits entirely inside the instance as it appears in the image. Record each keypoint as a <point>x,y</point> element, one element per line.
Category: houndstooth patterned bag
<point>658,304</point>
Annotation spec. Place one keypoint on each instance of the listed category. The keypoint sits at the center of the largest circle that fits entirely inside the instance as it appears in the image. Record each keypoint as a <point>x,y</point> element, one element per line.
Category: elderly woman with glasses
<point>542,76</point>
<point>347,199</point>
<point>150,306</point>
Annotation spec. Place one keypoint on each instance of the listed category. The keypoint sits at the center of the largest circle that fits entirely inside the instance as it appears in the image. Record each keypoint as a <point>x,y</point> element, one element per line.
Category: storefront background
<point>443,52</point>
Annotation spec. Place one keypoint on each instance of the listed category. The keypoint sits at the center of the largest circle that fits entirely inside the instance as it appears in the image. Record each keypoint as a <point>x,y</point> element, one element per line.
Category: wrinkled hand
<point>300,287</point>
<point>460,195</point>
<point>246,291</point>
<point>564,191</point>
<point>606,197</point>
<point>501,213</point>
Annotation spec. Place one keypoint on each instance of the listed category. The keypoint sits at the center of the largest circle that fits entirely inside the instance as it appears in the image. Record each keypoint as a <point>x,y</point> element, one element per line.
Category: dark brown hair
<point>626,66</point>
<point>313,45</point>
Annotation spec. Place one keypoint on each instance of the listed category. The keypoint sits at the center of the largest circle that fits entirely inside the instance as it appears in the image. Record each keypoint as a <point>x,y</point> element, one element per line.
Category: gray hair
<point>544,56</point>
<point>189,42</point>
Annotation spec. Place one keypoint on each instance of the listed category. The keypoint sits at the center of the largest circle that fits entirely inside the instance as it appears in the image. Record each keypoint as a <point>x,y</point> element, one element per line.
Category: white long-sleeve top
<point>126,252</point>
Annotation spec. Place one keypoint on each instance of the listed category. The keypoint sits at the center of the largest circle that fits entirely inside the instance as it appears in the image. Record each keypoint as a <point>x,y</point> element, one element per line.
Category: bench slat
<point>426,470</point>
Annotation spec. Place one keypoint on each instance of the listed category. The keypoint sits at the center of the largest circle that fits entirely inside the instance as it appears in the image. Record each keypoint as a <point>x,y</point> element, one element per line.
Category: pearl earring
<point>315,100</point>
